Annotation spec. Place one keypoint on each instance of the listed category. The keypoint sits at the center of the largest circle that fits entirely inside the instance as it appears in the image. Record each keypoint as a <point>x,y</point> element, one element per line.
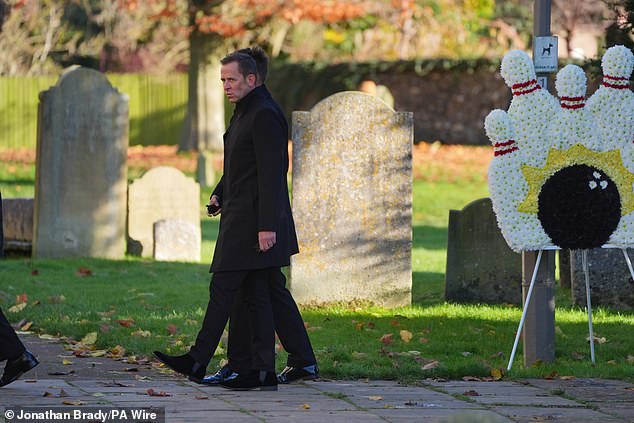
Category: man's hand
<point>213,201</point>
<point>266,240</point>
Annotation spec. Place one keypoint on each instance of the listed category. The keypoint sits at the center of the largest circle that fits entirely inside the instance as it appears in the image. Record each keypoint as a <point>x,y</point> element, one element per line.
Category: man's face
<point>236,85</point>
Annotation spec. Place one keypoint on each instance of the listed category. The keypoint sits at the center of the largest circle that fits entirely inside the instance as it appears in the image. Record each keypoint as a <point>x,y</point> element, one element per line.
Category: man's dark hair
<point>246,63</point>
<point>261,61</point>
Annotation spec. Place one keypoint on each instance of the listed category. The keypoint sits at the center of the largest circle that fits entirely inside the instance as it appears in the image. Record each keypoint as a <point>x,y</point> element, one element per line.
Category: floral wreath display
<point>562,174</point>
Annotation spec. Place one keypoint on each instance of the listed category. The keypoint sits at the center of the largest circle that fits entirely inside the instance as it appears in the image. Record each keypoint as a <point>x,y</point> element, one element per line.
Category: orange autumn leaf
<point>126,323</point>
<point>83,271</point>
<point>151,392</point>
<point>406,336</point>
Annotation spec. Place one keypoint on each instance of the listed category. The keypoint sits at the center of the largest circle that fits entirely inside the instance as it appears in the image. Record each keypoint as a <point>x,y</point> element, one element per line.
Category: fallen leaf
<point>335,364</point>
<point>67,362</point>
<point>498,354</point>
<point>371,325</point>
<point>70,372</point>
<point>17,308</point>
<point>105,328</point>
<point>151,392</point>
<point>471,379</point>
<point>26,326</point>
<point>598,340</point>
<point>431,365</point>
<point>116,352</point>
<point>89,339</point>
<point>56,299</point>
<point>387,338</point>
<point>48,395</point>
<point>359,326</point>
<point>552,375</point>
<point>577,355</point>
<point>83,271</point>
<point>395,323</point>
<point>423,340</point>
<point>172,329</point>
<point>471,393</point>
<point>126,323</point>
<point>497,374</point>
<point>630,358</point>
<point>22,298</point>
<point>72,402</point>
<point>142,333</point>
<point>358,355</point>
<point>97,353</point>
<point>35,272</point>
<point>466,353</point>
<point>568,377</point>
<point>406,336</point>
<point>612,362</point>
<point>202,397</point>
<point>375,398</point>
<point>131,369</point>
<point>305,406</point>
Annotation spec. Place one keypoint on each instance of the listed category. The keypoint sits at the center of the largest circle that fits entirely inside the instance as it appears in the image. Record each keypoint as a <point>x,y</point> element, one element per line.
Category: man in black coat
<point>301,362</point>
<point>19,360</point>
<point>257,232</point>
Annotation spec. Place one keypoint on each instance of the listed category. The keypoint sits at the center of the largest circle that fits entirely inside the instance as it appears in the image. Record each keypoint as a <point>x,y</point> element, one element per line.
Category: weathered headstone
<point>81,169</point>
<point>17,224</point>
<point>176,240</point>
<point>352,202</point>
<point>205,174</point>
<point>161,193</point>
<point>480,265</point>
<point>611,284</point>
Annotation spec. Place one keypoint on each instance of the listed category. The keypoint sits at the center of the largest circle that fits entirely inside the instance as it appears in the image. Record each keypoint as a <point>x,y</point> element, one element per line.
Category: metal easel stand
<point>586,272</point>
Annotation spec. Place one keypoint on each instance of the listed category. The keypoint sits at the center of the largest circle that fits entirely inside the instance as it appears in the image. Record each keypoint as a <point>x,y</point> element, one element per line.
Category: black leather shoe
<point>291,374</point>
<point>183,364</point>
<point>255,379</point>
<point>17,367</point>
<point>225,373</point>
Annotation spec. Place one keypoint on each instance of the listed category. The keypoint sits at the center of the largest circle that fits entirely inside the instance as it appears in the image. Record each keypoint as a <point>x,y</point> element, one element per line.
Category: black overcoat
<point>253,191</point>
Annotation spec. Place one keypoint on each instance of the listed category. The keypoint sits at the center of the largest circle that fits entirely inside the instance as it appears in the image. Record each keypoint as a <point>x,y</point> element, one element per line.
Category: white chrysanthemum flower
<point>498,126</point>
<point>618,61</point>
<point>571,82</point>
<point>517,67</point>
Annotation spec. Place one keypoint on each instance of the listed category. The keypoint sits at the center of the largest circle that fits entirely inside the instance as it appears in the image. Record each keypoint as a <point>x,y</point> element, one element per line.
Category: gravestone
<point>161,193</point>
<point>176,240</point>
<point>481,268</point>
<point>18,224</point>
<point>611,284</point>
<point>81,169</point>
<point>352,202</point>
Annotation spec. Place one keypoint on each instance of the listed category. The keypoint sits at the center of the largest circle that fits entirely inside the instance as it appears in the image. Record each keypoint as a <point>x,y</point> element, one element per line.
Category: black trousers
<point>10,345</point>
<point>288,325</point>
<point>251,287</point>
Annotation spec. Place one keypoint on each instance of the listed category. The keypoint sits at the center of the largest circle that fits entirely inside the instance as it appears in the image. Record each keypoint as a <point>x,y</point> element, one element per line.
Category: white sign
<point>545,54</point>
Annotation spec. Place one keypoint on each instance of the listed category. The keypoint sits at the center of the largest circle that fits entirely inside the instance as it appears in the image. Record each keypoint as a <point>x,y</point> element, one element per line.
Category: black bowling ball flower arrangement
<point>562,171</point>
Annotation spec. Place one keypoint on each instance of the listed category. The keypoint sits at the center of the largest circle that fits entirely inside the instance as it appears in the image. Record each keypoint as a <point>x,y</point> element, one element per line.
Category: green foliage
<point>157,107</point>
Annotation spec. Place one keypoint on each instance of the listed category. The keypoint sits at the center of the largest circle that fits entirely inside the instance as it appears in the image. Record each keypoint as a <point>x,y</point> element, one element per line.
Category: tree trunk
<point>205,120</point>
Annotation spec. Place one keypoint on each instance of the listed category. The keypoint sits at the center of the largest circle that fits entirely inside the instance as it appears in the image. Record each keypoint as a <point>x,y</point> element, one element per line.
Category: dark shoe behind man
<point>225,373</point>
<point>17,367</point>
<point>255,379</point>
<point>292,374</point>
<point>183,364</point>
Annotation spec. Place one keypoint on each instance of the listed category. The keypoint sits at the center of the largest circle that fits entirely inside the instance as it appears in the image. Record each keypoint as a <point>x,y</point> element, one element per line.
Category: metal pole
<point>541,28</point>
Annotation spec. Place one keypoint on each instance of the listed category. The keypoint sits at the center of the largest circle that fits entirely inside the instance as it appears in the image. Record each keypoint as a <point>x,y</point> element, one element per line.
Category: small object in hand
<point>212,209</point>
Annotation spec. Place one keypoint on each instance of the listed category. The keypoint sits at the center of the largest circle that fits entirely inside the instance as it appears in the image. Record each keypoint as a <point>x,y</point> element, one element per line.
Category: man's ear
<point>251,79</point>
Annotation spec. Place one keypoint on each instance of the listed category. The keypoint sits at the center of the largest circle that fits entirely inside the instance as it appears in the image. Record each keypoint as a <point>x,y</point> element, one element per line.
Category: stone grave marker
<point>176,240</point>
<point>352,202</point>
<point>18,224</point>
<point>481,268</point>
<point>81,169</point>
<point>611,284</point>
<point>163,192</point>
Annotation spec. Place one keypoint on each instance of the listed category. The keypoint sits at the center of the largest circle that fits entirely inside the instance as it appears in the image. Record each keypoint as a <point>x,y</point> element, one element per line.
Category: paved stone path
<point>107,384</point>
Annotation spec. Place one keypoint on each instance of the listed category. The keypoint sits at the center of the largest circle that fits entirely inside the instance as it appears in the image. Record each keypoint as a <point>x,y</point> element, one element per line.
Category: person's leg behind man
<point>19,360</point>
<point>289,325</point>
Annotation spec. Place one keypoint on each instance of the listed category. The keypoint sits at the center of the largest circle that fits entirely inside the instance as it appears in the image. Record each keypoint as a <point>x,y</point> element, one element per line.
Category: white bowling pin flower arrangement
<point>508,187</point>
<point>572,124</point>
<point>531,107</point>
<point>564,183</point>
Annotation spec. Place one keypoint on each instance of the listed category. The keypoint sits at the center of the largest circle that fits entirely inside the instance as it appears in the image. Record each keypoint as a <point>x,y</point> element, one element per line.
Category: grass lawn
<point>144,305</point>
